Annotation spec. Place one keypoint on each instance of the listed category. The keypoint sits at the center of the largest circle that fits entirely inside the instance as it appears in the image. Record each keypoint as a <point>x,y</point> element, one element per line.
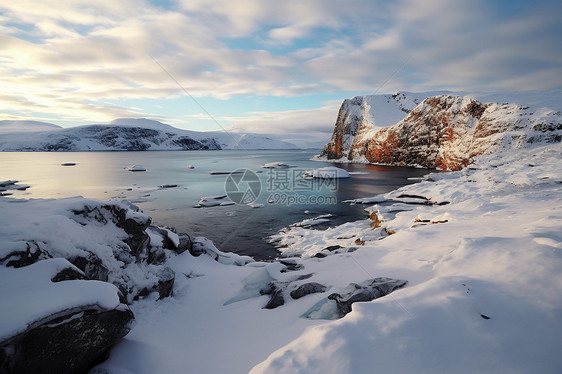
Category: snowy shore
<point>483,292</point>
<point>480,249</point>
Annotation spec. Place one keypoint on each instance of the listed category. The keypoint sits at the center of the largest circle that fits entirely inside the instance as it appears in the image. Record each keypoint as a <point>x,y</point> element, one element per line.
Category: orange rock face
<point>445,132</point>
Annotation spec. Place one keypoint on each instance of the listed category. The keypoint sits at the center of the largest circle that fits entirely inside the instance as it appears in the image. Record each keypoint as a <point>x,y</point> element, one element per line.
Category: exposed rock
<point>69,343</point>
<point>307,289</point>
<point>276,298</point>
<point>338,304</point>
<point>443,132</point>
<point>358,118</point>
<point>186,244</point>
<point>366,291</point>
<point>376,222</point>
<point>29,253</point>
<point>332,248</point>
<point>72,325</point>
<point>290,265</point>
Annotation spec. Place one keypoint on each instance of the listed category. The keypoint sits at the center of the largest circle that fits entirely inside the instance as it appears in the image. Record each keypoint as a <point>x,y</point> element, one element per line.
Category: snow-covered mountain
<point>25,126</point>
<point>125,134</point>
<point>443,131</point>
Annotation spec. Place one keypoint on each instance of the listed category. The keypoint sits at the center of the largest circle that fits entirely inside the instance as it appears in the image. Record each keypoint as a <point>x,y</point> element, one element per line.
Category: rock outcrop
<point>338,304</point>
<point>359,117</point>
<point>447,131</point>
<point>55,320</point>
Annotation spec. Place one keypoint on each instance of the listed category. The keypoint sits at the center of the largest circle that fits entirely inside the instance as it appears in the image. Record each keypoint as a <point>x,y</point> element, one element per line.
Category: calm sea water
<point>237,228</point>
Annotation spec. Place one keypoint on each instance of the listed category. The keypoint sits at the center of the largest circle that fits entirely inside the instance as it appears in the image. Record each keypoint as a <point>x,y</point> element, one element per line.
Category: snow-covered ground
<point>481,251</point>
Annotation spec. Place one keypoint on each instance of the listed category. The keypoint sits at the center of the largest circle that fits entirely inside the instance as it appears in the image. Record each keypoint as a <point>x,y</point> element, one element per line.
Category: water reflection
<point>103,175</point>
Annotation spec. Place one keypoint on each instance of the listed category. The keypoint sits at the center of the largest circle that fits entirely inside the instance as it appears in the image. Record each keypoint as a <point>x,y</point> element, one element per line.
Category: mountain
<point>26,126</point>
<point>125,134</point>
<point>444,131</point>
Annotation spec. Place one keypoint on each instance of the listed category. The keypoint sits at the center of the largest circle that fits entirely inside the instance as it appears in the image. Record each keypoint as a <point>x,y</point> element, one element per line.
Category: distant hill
<point>25,126</point>
<point>124,134</point>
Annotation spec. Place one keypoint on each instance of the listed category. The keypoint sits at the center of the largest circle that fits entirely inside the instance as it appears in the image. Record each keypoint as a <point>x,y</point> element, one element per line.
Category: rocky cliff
<point>445,132</point>
<point>360,116</point>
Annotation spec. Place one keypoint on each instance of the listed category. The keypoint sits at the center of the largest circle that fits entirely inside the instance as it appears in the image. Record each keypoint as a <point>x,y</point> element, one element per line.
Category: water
<point>236,228</point>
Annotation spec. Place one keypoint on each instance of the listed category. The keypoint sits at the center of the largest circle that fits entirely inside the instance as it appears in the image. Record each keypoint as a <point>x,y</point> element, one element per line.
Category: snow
<point>136,168</point>
<point>483,291</point>
<point>484,284</point>
<point>210,201</point>
<point>328,172</point>
<point>27,295</point>
<point>480,249</point>
<point>124,134</point>
<point>275,165</point>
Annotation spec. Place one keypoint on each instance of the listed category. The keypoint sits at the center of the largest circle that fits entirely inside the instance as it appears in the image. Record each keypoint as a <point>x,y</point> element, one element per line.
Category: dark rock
<point>71,343</point>
<point>332,248</point>
<point>275,300</point>
<point>366,291</point>
<point>319,255</point>
<point>307,289</point>
<point>156,256</point>
<point>92,266</point>
<point>68,274</point>
<point>290,265</point>
<point>30,255</point>
<point>186,244</point>
<point>304,276</point>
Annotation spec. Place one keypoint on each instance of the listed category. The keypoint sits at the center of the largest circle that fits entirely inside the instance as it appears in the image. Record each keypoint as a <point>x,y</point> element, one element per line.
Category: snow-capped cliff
<point>124,134</point>
<point>443,131</point>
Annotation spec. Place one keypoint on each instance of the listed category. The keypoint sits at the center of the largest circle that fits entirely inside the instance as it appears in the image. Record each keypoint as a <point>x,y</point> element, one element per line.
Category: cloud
<point>73,58</point>
<point>305,128</point>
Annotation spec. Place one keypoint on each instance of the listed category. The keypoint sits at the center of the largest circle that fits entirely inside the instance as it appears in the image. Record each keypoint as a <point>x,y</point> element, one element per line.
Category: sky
<point>280,68</point>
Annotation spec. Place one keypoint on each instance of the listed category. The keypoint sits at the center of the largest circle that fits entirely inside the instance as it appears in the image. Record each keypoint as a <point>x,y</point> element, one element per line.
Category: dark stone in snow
<point>307,289</point>
<point>185,243</point>
<point>24,257</point>
<point>366,291</point>
<point>276,299</point>
<point>290,265</point>
<point>68,274</point>
<point>332,248</point>
<point>69,343</point>
<point>92,266</point>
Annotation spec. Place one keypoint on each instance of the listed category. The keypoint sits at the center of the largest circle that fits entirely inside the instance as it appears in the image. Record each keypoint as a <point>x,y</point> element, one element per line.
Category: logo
<point>242,186</point>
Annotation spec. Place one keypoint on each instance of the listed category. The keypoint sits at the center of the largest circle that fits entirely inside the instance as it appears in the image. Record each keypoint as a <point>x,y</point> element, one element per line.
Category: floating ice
<point>136,168</point>
<point>275,165</point>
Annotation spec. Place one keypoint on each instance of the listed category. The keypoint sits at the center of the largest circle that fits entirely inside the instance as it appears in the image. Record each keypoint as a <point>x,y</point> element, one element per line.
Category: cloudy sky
<point>273,67</point>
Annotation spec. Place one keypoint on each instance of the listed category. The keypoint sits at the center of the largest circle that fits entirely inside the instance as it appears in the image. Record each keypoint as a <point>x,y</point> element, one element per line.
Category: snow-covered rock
<point>275,165</point>
<point>472,266</point>
<point>359,117</point>
<point>53,320</point>
<point>443,131</point>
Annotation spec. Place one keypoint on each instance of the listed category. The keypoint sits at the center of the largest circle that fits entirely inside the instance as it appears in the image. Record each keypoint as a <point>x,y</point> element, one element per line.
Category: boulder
<point>72,325</point>
<point>366,291</point>
<point>70,343</point>
<point>307,289</point>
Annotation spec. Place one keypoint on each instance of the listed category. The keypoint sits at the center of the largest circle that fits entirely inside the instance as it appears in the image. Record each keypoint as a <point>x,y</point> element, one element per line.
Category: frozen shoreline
<point>483,288</point>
